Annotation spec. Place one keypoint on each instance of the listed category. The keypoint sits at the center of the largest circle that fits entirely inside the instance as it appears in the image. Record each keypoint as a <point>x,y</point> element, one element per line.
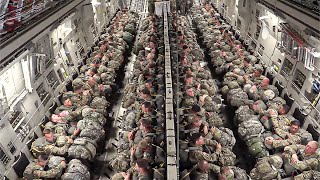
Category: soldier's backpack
<point>123,142</point>
<point>227,157</point>
<point>215,120</point>
<point>38,147</point>
<point>76,170</point>
<point>209,106</point>
<point>92,132</point>
<point>250,128</point>
<point>117,176</point>
<point>237,97</point>
<point>54,161</point>
<point>267,168</point>
<point>225,89</point>
<point>312,174</point>
<point>243,113</point>
<point>130,28</point>
<point>129,119</point>
<point>256,147</point>
<point>188,102</point>
<point>98,117</point>
<point>99,102</point>
<point>128,37</point>
<point>83,148</point>
<point>239,173</point>
<point>91,129</point>
<point>227,138</point>
<point>121,162</point>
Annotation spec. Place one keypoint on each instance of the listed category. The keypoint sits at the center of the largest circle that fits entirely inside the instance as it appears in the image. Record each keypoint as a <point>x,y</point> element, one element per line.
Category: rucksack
<point>305,136</point>
<point>265,169</point>
<point>83,148</point>
<point>237,97</point>
<point>250,128</point>
<point>227,157</point>
<point>98,117</point>
<point>76,170</point>
<point>99,102</point>
<point>54,161</point>
<point>38,147</point>
<point>227,138</point>
<point>128,37</point>
<point>215,120</point>
<point>256,147</point>
<point>121,162</point>
<point>239,174</point>
<point>243,113</point>
<point>92,130</point>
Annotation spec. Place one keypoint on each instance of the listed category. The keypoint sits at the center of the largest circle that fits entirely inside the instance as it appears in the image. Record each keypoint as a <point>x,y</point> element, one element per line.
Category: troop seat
<point>270,76</point>
<point>299,115</point>
<point>20,163</point>
<point>69,86</point>
<point>289,100</point>
<point>279,86</point>
<point>53,107</point>
<point>313,130</point>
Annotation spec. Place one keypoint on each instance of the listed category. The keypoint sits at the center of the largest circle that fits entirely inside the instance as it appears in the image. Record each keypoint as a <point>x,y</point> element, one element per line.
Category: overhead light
<point>316,54</point>
<point>95,3</point>
<point>263,17</point>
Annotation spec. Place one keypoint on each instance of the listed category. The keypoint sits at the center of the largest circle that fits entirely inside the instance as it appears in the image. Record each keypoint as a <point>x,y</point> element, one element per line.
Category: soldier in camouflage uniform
<point>143,150</point>
<point>36,169</point>
<point>256,77</point>
<point>301,158</point>
<point>141,170</point>
<point>232,172</point>
<point>203,169</point>
<point>48,144</point>
<point>287,137</point>
<point>145,131</point>
<point>196,152</point>
<point>267,168</point>
<point>189,98</point>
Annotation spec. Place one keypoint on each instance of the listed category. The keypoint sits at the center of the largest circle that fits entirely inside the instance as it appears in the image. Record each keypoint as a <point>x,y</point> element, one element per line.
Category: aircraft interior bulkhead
<point>155,90</point>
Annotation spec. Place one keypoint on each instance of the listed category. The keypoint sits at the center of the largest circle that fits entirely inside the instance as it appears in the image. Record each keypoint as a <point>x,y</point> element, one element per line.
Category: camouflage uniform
<point>35,171</point>
<point>267,168</point>
<point>196,153</point>
<point>41,145</point>
<point>307,162</point>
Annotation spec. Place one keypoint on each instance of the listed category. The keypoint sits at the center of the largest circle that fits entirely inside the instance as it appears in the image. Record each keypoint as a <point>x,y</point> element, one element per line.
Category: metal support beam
<point>7,49</point>
<point>170,122</point>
